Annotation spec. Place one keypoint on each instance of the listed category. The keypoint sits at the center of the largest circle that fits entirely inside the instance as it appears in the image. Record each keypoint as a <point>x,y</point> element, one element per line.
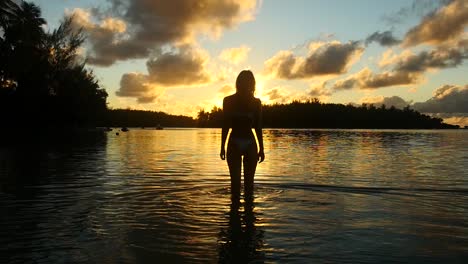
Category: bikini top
<point>242,119</point>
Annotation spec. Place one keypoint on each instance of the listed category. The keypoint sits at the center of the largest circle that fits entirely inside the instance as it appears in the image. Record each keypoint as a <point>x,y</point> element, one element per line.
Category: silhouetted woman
<point>242,112</point>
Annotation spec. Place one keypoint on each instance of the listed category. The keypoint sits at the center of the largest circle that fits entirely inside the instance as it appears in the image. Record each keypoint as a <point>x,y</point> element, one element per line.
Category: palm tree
<point>22,42</point>
<point>23,23</point>
<point>44,79</point>
<point>8,10</point>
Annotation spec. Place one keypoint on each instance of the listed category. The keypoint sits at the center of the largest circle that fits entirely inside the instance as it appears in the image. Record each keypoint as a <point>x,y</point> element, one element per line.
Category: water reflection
<point>337,196</point>
<point>241,241</point>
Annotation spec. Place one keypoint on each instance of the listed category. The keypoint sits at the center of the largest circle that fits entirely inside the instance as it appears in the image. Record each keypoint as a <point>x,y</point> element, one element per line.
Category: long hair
<point>245,83</point>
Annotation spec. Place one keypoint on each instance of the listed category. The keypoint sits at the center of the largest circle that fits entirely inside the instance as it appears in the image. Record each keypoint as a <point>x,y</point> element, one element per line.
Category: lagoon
<point>162,196</point>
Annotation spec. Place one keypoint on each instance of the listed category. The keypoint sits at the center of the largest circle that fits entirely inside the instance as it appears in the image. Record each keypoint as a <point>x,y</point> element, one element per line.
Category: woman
<point>242,112</point>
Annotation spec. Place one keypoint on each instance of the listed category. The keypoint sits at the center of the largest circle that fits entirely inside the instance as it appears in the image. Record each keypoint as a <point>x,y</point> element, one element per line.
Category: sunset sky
<point>181,56</point>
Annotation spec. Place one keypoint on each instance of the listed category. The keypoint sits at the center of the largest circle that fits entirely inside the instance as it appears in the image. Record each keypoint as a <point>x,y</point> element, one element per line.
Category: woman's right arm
<point>259,131</point>
<point>224,131</point>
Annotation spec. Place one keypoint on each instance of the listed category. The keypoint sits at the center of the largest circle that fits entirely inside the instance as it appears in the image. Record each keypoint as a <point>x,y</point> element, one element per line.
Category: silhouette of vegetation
<point>140,118</point>
<point>314,114</point>
<point>43,81</point>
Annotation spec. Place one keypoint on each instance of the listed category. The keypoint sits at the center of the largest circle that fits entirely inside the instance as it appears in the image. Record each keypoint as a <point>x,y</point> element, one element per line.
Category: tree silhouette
<point>314,114</point>
<point>42,78</point>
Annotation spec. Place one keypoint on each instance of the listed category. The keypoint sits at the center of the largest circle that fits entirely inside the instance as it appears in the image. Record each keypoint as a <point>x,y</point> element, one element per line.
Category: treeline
<point>140,118</point>
<point>43,80</point>
<point>314,114</point>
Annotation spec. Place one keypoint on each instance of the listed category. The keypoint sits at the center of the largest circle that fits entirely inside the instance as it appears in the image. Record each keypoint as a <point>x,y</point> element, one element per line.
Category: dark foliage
<point>139,118</point>
<point>314,114</point>
<point>42,80</point>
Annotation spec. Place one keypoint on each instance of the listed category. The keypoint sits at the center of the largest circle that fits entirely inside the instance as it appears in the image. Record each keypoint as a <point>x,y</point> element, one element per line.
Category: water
<point>162,196</point>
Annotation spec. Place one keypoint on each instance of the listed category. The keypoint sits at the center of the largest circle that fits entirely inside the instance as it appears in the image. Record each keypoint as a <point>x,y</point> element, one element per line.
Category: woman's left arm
<point>224,131</point>
<point>259,130</point>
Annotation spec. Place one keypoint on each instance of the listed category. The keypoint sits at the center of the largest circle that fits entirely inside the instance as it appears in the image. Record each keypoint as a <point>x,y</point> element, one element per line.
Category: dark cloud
<point>386,79</point>
<point>366,79</point>
<point>184,67</point>
<point>277,95</point>
<point>146,99</point>
<point>442,57</point>
<point>450,102</point>
<point>408,68</point>
<point>319,90</point>
<point>446,24</point>
<point>446,99</point>
<point>385,38</point>
<point>329,58</point>
<point>138,85</point>
<point>107,39</point>
<point>460,119</point>
<point>394,101</point>
<point>153,24</point>
<point>417,8</point>
<point>281,95</point>
<point>281,65</point>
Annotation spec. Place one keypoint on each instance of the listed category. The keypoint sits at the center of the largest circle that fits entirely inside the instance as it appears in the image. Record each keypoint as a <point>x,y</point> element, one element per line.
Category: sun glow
<point>259,93</point>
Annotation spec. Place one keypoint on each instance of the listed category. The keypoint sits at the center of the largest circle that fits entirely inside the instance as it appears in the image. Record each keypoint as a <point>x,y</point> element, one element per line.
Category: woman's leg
<point>233,157</point>
<point>250,165</point>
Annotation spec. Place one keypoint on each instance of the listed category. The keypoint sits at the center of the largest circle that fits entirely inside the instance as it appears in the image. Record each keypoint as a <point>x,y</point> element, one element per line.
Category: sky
<point>182,56</point>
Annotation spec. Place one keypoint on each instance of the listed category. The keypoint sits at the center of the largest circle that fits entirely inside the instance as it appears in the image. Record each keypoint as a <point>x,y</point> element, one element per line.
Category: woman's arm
<point>259,130</point>
<point>224,131</point>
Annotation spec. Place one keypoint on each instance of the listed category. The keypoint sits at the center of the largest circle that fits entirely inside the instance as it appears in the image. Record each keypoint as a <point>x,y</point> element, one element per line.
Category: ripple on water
<point>336,196</point>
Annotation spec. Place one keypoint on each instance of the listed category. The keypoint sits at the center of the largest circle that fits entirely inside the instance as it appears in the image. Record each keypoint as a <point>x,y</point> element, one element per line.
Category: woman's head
<point>245,83</point>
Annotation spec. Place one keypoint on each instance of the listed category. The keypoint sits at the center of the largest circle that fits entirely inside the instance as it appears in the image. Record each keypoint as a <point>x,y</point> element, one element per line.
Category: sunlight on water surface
<point>340,196</point>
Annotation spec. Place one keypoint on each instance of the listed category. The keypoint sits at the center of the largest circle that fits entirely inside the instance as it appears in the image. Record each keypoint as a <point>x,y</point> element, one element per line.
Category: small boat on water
<point>159,127</point>
<point>124,129</point>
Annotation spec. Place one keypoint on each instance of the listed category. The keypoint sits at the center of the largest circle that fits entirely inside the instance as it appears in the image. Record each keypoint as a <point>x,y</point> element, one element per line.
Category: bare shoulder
<point>228,98</point>
<point>258,102</point>
<point>228,101</point>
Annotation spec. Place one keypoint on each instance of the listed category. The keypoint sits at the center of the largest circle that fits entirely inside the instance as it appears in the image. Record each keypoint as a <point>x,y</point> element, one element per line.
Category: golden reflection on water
<point>340,196</point>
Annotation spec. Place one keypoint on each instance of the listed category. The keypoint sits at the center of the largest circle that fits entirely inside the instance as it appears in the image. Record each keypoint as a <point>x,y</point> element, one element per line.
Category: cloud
<point>394,101</point>
<point>186,66</point>
<point>443,27</point>
<point>226,89</point>
<point>283,95</point>
<point>449,103</point>
<point>385,38</point>
<point>389,57</point>
<point>138,85</point>
<point>442,57</point>
<point>105,37</point>
<point>406,68</point>
<point>324,58</point>
<point>235,55</point>
<point>417,8</point>
<point>278,95</point>
<point>446,24</point>
<point>446,99</point>
<point>366,79</point>
<point>150,25</point>
<point>319,90</point>
<point>455,119</point>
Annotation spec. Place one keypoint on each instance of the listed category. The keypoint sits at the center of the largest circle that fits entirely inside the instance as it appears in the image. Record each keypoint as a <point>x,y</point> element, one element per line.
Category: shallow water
<point>162,196</point>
